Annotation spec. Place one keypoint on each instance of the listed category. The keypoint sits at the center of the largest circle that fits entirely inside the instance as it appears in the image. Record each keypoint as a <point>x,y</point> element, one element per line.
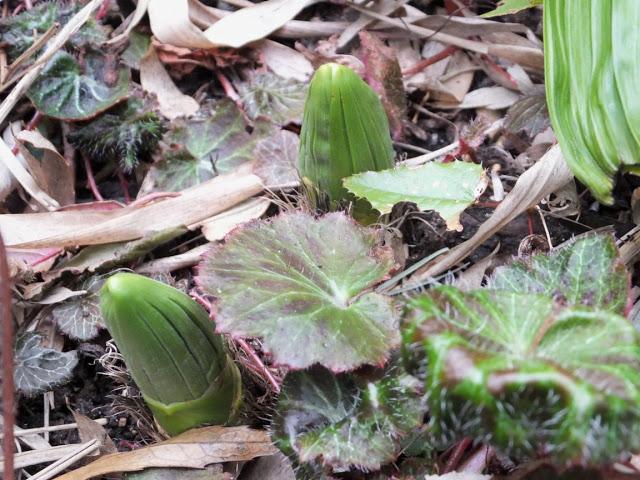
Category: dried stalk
<point>8,399</point>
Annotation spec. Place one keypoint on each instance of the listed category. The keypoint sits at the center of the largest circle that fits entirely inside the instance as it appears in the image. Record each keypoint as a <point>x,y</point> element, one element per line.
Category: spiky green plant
<point>123,135</point>
<point>181,366</point>
<point>543,362</point>
<point>344,131</point>
<point>591,71</point>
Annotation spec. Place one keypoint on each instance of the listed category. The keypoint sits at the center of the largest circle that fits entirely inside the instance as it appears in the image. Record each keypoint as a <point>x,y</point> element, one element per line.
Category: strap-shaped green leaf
<point>591,68</point>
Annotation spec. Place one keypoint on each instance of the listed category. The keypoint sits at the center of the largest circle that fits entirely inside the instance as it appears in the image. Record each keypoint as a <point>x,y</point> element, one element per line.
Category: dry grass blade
<point>69,228</point>
<point>193,449</point>
<point>24,177</point>
<point>528,57</point>
<point>545,177</point>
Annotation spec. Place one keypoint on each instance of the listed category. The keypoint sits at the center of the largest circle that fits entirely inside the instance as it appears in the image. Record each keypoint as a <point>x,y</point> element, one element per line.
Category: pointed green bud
<point>169,345</point>
<point>344,131</point>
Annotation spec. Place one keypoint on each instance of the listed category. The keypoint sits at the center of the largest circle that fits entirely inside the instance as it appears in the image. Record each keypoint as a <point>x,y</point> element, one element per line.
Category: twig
<point>456,455</point>
<point>124,185</point>
<point>419,160</point>
<point>104,9</point>
<point>51,428</point>
<point>33,48</point>
<point>246,348</point>
<point>56,44</point>
<point>422,64</point>
<point>8,399</point>
<point>257,362</point>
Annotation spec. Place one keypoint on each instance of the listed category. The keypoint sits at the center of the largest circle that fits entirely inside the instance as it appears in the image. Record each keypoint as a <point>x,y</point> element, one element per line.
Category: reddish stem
<point>124,185</point>
<point>259,366</point>
<point>104,8</point>
<point>8,400</point>
<point>530,222</point>
<point>257,362</point>
<point>422,64</point>
<point>28,4</point>
<point>456,455</point>
<point>91,180</point>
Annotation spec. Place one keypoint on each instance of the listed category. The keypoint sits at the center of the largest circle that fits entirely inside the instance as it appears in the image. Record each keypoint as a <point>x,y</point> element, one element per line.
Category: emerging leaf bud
<point>344,131</point>
<point>169,345</point>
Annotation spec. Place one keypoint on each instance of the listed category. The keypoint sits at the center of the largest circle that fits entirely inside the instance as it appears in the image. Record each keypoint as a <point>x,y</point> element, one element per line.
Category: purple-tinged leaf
<point>300,283</point>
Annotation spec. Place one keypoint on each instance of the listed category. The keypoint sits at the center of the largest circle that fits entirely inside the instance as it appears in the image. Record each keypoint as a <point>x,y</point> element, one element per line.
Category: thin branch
<point>8,399</point>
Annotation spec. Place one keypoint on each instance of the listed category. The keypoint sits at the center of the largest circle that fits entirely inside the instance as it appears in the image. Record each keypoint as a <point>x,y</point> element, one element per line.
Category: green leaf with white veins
<point>80,317</point>
<point>69,91</point>
<point>38,369</point>
<point>587,271</point>
<point>273,98</point>
<point>346,420</point>
<point>447,188</point>
<point>301,283</point>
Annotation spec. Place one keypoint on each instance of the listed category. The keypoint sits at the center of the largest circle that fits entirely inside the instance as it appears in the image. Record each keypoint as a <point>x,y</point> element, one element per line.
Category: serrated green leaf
<point>67,91</point>
<point>587,272</point>
<point>301,284</point>
<point>200,148</point>
<point>346,421</point>
<point>38,369</point>
<point>543,365</point>
<point>447,188</point>
<point>507,7</point>
<point>271,97</point>
<point>80,317</point>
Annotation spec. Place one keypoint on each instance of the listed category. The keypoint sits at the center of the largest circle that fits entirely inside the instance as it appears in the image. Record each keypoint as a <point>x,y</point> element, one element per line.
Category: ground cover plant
<point>319,240</point>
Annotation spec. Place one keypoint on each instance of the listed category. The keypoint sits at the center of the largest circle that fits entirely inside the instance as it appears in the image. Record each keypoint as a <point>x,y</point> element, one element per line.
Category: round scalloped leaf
<point>447,188</point>
<point>200,148</point>
<point>587,271</point>
<point>300,283</point>
<point>273,98</point>
<point>69,91</point>
<point>346,421</point>
<point>80,317</point>
<point>510,367</point>
<point>37,368</point>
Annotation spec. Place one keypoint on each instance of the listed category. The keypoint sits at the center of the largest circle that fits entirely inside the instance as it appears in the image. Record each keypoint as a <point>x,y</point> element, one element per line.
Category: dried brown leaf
<point>382,73</point>
<point>69,228</point>
<point>155,79</point>
<point>254,23</point>
<point>195,448</point>
<point>50,170</point>
<point>91,430</point>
